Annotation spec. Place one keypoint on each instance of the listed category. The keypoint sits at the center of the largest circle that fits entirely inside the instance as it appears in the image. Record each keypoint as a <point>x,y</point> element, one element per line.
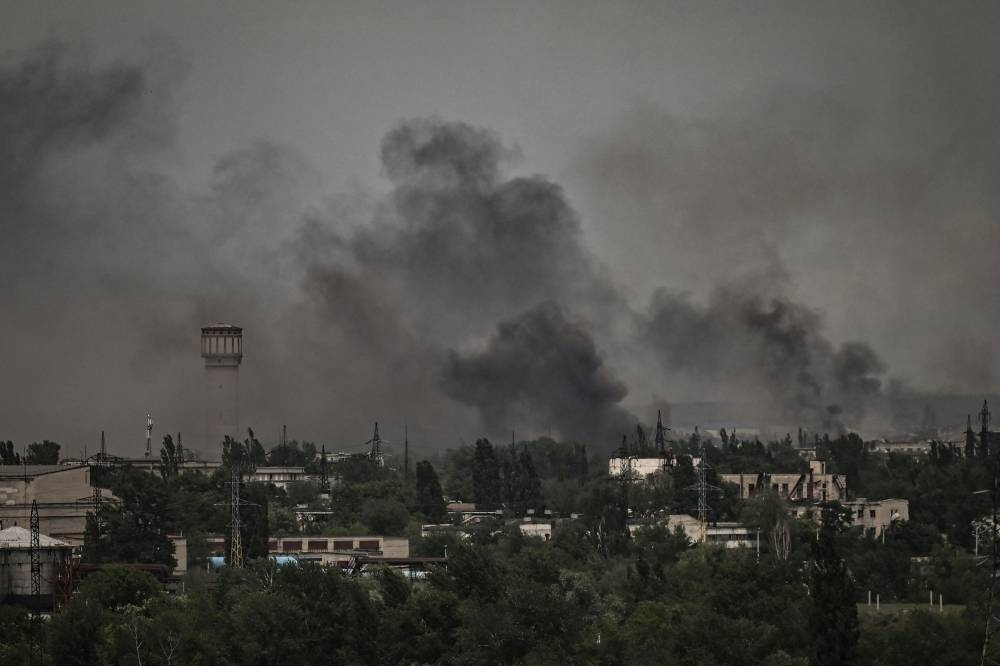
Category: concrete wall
<point>222,404</point>
<point>875,516</point>
<point>64,497</point>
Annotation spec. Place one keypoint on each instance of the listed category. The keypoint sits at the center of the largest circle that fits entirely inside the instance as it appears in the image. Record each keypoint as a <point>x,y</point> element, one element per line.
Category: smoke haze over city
<point>479,221</point>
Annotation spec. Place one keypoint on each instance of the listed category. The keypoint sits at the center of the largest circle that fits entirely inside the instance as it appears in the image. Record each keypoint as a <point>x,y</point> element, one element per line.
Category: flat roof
<point>21,471</point>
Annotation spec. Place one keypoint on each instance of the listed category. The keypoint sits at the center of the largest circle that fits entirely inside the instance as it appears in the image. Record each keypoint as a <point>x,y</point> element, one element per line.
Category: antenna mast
<point>149,434</point>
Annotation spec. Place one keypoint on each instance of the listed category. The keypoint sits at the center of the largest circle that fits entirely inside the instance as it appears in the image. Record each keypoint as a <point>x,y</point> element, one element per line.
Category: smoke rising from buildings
<point>541,368</point>
<point>720,254</point>
<point>751,344</point>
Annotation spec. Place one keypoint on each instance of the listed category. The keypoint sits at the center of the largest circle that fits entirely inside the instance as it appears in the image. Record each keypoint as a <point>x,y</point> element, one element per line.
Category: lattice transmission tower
<point>36,556</point>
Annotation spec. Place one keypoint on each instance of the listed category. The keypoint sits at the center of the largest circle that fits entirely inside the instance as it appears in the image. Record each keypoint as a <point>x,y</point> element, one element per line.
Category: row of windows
<point>313,545</point>
<point>221,344</point>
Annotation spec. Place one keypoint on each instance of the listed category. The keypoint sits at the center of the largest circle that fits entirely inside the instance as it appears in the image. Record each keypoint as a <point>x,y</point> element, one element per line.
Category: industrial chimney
<point>222,349</point>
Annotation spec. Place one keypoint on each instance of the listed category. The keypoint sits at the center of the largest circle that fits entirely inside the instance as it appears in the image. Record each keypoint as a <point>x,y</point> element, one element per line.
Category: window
<point>291,546</point>
<point>871,513</point>
<point>861,513</point>
<point>339,544</point>
<point>784,488</point>
<point>369,545</point>
<point>317,544</point>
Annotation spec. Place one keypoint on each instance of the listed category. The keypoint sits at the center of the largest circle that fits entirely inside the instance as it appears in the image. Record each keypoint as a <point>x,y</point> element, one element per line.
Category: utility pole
<point>406,453</point>
<point>235,524</point>
<point>984,433</point>
<point>994,460</point>
<point>703,487</point>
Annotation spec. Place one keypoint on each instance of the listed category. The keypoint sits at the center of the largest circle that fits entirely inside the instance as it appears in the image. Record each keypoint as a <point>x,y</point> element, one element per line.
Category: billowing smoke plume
<point>456,246</point>
<point>540,368</point>
<point>369,308</point>
<point>765,349</point>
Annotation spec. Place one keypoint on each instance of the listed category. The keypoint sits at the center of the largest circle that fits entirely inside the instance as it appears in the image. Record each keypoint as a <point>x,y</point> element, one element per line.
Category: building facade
<point>335,551</point>
<point>876,516</point>
<point>816,485</point>
<point>63,493</point>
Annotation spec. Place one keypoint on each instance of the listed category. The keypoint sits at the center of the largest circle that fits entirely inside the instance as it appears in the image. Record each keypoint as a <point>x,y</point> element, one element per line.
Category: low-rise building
<point>63,495</point>
<point>909,448</point>
<point>640,468</point>
<point>279,476</point>
<point>336,551</point>
<point>727,535</point>
<point>816,485</point>
<point>876,516</point>
<point>528,527</point>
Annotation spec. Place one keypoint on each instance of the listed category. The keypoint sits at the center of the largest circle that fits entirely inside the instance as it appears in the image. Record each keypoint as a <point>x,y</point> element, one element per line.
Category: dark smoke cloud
<point>878,209</point>
<point>108,268</point>
<point>541,368</point>
<point>766,349</point>
<point>454,247</point>
<point>874,190</point>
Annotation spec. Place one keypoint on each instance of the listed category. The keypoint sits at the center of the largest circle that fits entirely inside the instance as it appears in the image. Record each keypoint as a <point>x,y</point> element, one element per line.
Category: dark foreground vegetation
<point>592,594</point>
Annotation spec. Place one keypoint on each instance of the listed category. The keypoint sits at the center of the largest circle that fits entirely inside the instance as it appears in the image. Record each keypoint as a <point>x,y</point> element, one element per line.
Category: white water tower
<point>222,349</point>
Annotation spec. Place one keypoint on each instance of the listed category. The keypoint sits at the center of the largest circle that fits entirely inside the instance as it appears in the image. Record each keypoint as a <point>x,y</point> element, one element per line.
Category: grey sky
<point>846,152</point>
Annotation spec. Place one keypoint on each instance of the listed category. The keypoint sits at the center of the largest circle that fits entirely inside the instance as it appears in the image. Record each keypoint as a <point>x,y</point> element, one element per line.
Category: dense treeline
<point>595,593</point>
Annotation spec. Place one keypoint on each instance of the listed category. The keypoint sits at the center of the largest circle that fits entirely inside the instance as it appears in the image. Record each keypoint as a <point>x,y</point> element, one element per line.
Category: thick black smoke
<point>765,349</point>
<point>353,312</point>
<point>543,369</point>
<point>456,245</point>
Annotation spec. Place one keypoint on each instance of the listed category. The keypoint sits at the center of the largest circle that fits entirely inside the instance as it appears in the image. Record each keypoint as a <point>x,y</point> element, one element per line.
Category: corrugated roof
<point>17,537</point>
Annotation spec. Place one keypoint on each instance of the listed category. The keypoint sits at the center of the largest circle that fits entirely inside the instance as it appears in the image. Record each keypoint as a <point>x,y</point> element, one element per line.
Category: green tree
<point>8,456</point>
<point>116,586</point>
<point>486,484</point>
<point>526,486</point>
<point>170,457</point>
<point>384,516</point>
<point>135,528</point>
<point>429,499</point>
<point>834,615</point>
<point>43,453</point>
